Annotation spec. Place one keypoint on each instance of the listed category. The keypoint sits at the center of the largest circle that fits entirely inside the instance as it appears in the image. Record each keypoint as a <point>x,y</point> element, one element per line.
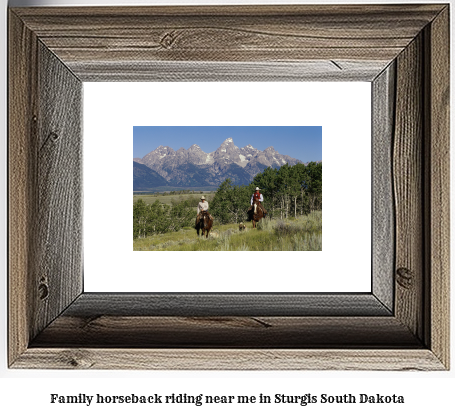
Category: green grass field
<point>167,199</point>
<point>301,234</point>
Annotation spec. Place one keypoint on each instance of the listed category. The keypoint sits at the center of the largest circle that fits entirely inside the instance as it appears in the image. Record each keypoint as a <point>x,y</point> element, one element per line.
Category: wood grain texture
<point>89,305</point>
<point>53,49</point>
<point>44,187</point>
<point>307,71</point>
<point>230,359</point>
<point>383,215</point>
<point>232,34</point>
<point>58,204</point>
<point>438,193</point>
<point>259,332</point>
<point>22,172</point>
<point>408,188</point>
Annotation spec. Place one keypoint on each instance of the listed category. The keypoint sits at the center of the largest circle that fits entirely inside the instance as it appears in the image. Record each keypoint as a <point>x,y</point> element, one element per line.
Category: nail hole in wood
<point>168,39</point>
<point>43,291</point>
<point>53,137</point>
<point>405,277</point>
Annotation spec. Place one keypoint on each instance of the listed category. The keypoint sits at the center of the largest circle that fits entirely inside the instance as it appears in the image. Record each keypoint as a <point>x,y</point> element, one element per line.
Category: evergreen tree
<point>315,185</point>
<point>267,182</point>
<point>231,202</point>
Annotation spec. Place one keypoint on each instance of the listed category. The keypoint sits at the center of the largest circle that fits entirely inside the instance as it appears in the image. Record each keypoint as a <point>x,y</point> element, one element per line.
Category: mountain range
<point>193,167</point>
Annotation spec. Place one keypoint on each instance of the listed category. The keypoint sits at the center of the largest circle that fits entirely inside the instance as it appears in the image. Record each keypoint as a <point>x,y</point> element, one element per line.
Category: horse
<point>204,223</point>
<point>258,215</point>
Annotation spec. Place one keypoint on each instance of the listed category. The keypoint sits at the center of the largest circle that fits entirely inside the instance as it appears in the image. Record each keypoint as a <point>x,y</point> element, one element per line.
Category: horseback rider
<point>257,199</point>
<point>203,206</point>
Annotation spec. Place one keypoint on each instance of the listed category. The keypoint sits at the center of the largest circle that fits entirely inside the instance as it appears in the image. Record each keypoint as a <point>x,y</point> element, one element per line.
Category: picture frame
<point>402,324</point>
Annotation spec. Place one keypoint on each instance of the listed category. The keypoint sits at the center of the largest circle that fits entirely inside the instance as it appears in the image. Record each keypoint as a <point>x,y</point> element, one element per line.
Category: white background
<point>341,108</point>
<point>28,391</point>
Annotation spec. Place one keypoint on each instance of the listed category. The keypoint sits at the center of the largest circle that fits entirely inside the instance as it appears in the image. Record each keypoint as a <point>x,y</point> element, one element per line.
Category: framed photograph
<point>400,323</point>
<point>291,225</point>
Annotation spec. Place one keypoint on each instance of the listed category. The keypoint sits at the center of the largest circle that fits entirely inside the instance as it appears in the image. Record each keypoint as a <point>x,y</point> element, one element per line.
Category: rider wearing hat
<point>257,198</point>
<point>203,205</point>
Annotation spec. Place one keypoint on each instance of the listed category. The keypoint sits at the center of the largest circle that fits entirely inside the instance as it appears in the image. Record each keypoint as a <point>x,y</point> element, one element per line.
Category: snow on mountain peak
<point>168,163</point>
<point>195,147</point>
<point>162,149</point>
<point>270,149</point>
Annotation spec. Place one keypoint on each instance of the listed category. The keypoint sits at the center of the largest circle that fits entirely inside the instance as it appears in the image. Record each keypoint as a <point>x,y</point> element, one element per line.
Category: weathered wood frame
<point>403,50</point>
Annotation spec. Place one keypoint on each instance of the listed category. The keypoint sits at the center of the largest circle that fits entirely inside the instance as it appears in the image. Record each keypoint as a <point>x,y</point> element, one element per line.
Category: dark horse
<point>204,223</point>
<point>256,217</point>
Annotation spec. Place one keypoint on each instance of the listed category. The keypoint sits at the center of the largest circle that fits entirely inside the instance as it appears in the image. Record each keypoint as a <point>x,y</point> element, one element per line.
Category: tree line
<point>149,219</point>
<point>288,191</point>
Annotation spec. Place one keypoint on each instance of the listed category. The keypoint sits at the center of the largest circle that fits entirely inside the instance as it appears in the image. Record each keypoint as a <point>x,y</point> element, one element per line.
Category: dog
<point>242,227</point>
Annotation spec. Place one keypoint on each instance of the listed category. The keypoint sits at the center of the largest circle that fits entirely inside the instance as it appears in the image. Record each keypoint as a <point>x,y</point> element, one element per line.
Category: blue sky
<point>303,143</point>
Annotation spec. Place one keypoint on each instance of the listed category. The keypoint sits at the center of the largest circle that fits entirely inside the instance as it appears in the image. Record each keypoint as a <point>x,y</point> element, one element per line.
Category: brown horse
<point>204,223</point>
<point>256,217</point>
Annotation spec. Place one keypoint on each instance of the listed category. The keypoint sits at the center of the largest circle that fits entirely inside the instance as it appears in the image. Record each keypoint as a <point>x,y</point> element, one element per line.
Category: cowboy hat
<point>202,197</point>
<point>257,188</point>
